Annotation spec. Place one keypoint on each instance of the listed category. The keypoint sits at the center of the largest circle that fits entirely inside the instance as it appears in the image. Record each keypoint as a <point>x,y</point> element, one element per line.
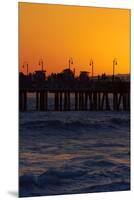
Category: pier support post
<point>20,100</point>
<point>99,101</point>
<point>86,100</point>
<point>37,101</point>
<point>41,101</point>
<point>60,101</point>
<point>119,101</point>
<point>95,100</point>
<point>102,101</point>
<point>65,101</point>
<point>68,100</point>
<point>76,101</point>
<point>107,102</point>
<point>80,101</point>
<point>91,100</point>
<point>124,102</point>
<point>24,100</point>
<point>40,104</point>
<point>128,101</point>
<point>115,101</point>
<point>46,101</point>
<point>56,101</point>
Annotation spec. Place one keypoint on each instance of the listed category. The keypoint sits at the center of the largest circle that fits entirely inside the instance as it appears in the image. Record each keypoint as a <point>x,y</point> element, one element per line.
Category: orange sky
<point>56,33</point>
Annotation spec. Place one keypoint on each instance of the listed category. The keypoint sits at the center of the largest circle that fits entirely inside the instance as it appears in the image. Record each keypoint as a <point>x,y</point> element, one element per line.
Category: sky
<point>56,33</point>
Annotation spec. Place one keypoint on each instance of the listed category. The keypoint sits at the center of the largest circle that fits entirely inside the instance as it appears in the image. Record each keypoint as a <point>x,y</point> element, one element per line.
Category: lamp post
<point>114,64</point>
<point>41,63</point>
<point>70,62</point>
<point>92,64</point>
<point>26,64</point>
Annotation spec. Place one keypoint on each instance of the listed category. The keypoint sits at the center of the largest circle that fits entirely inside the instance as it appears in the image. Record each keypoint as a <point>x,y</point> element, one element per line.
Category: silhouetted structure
<point>89,93</point>
<point>40,75</point>
<point>84,75</point>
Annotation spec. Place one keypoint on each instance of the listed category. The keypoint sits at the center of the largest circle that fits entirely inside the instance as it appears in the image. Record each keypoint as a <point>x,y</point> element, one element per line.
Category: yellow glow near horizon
<point>57,32</point>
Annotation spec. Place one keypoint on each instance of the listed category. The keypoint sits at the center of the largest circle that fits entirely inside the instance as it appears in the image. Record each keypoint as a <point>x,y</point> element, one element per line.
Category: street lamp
<point>41,63</point>
<point>70,62</point>
<point>114,64</point>
<point>92,64</point>
<point>25,64</point>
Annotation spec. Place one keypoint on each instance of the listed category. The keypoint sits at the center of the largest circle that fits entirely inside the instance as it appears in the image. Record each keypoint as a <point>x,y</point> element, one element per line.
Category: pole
<point>113,69</point>
<point>114,63</point>
<point>27,69</point>
<point>92,65</point>
<point>92,70</point>
<point>69,63</point>
<point>42,65</point>
<point>26,65</point>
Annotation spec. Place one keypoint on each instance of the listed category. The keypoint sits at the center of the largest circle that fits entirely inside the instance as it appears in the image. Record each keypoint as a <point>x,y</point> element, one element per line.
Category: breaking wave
<point>55,181</point>
<point>41,124</point>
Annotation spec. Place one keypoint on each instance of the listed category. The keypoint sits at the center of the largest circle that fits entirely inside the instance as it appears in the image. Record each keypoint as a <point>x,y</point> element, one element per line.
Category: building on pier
<point>84,75</point>
<point>67,74</point>
<point>40,75</point>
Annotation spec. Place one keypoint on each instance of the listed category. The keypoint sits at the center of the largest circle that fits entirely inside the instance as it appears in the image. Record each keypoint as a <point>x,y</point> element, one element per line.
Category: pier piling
<point>99,98</point>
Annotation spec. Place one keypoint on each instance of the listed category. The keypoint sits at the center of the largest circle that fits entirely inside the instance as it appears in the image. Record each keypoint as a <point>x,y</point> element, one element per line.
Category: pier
<point>95,96</point>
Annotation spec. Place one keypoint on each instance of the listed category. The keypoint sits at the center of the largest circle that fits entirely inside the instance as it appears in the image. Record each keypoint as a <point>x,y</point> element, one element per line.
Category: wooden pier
<point>94,98</point>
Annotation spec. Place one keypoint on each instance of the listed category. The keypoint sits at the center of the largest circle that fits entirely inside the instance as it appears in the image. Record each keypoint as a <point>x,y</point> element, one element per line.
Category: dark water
<point>74,152</point>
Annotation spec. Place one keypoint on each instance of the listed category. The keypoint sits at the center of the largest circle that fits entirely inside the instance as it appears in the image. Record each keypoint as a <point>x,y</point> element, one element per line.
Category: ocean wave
<point>58,124</point>
<point>46,182</point>
<point>107,123</point>
<point>120,121</point>
<point>114,186</point>
<point>65,181</point>
<point>51,176</point>
<point>99,163</point>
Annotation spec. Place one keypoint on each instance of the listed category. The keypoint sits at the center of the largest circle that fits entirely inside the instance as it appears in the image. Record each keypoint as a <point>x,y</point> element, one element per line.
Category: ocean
<point>73,152</point>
